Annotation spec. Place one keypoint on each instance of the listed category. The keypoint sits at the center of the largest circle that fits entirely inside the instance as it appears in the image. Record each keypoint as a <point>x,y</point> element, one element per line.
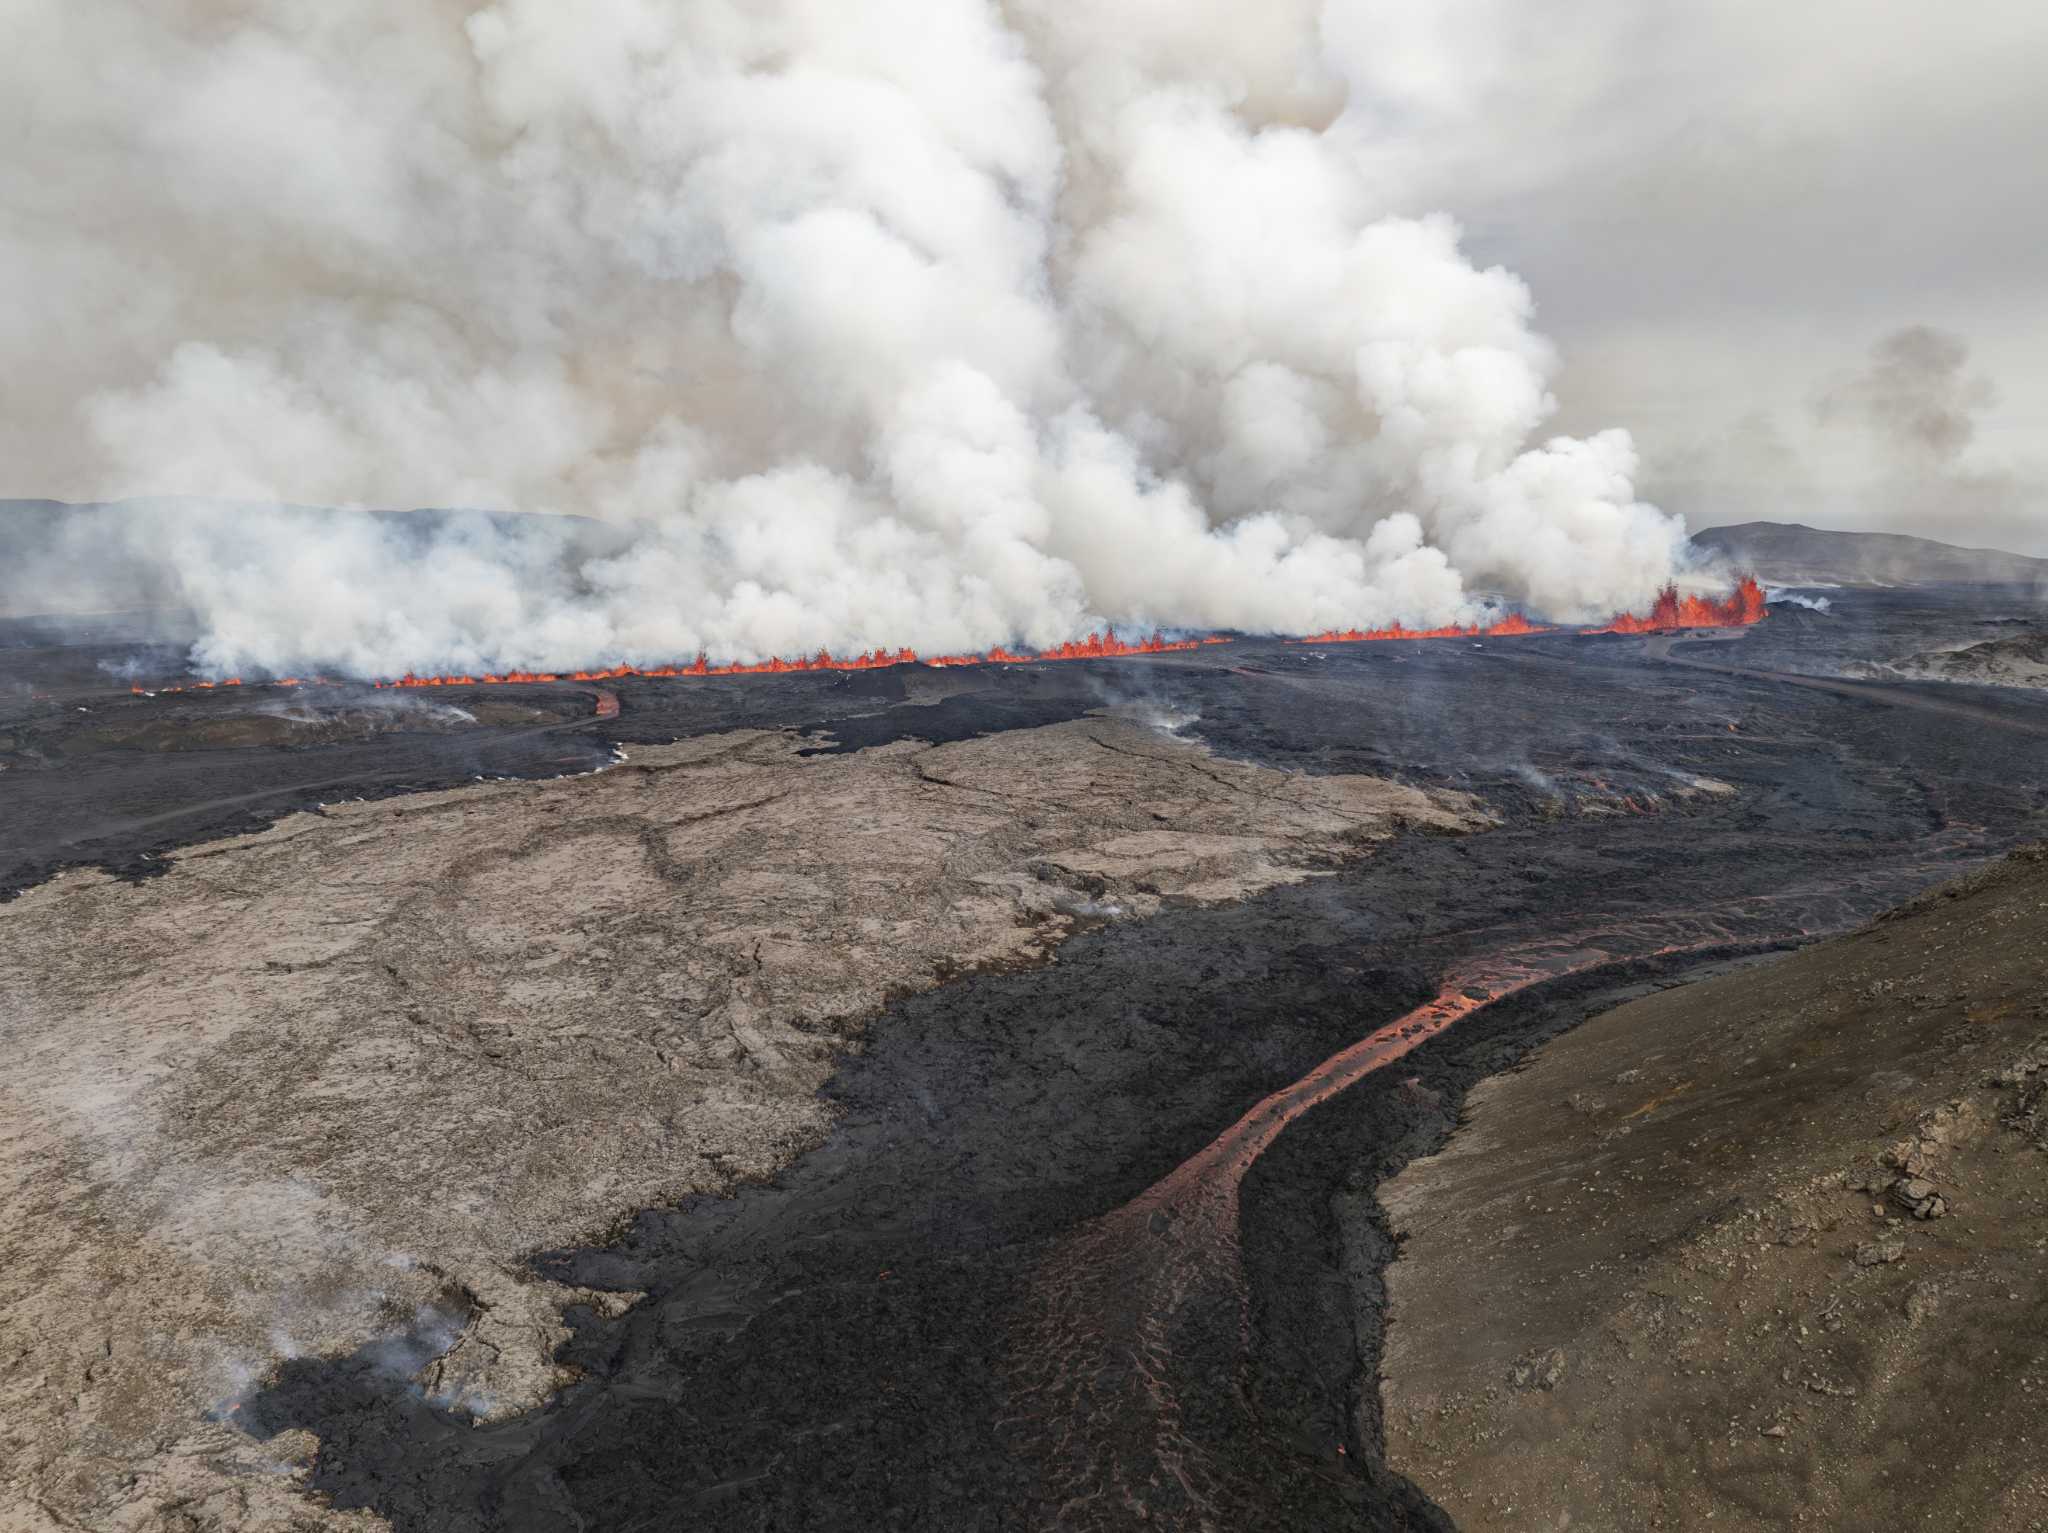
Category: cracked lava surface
<point>819,1127</point>
<point>319,1077</point>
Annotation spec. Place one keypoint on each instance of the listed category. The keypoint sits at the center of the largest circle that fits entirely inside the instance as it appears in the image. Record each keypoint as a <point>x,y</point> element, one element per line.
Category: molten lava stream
<point>1097,646</point>
<point>1744,607</point>
<point>1142,1311</point>
<point>1510,626</point>
<point>1670,611</point>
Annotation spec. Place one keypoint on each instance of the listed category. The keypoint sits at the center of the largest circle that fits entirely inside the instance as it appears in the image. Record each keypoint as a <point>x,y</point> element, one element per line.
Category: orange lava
<point>1098,646</point>
<point>1672,611</point>
<point>196,686</point>
<point>1507,627</point>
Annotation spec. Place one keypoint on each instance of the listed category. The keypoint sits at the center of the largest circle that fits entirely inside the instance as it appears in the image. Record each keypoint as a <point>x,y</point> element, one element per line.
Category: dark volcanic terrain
<point>1089,1236</point>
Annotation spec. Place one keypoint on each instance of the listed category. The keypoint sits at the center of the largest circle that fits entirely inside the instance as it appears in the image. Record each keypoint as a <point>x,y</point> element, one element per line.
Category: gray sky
<point>1724,207</point>
<point>448,252</point>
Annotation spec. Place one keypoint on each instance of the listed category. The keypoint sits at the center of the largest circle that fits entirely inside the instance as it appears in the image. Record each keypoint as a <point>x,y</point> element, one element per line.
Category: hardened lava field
<point>801,1125</point>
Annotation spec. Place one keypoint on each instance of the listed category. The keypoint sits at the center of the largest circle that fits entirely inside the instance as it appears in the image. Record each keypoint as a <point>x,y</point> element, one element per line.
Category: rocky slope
<point>1785,553</point>
<point>1770,1250</point>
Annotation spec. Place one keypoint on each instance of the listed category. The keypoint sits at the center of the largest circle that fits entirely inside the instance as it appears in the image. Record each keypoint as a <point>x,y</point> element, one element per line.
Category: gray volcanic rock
<point>350,1070</point>
<point>2018,660</point>
<point>1786,553</point>
<point>431,1028</point>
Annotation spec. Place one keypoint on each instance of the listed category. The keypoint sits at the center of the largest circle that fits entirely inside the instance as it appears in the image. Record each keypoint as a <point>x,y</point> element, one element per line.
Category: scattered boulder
<point>1919,1197</point>
<point>1539,1370</point>
<point>1876,1253</point>
<point>2024,1071</point>
<point>1922,1300</point>
<point>2027,1078</point>
<point>1955,1124</point>
<point>1908,1155</point>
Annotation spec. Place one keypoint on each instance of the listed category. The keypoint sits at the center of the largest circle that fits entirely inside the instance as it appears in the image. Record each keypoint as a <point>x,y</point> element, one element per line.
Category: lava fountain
<point>1670,611</point>
<point>1740,609</point>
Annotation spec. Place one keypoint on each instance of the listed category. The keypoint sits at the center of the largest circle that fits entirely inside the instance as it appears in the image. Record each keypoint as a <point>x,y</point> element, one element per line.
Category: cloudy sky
<point>1727,208</point>
<point>440,252</point>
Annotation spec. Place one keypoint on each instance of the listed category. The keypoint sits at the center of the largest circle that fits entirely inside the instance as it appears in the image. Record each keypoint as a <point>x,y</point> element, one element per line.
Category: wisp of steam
<point>1781,596</point>
<point>938,323</point>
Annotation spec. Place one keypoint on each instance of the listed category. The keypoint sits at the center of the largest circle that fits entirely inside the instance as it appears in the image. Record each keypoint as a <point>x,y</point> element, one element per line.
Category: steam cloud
<point>1778,596</point>
<point>1913,395</point>
<point>944,323</point>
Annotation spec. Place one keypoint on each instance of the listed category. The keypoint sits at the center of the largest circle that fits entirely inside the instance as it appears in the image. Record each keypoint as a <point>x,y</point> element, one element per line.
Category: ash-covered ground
<point>893,1313</point>
<point>1765,1251</point>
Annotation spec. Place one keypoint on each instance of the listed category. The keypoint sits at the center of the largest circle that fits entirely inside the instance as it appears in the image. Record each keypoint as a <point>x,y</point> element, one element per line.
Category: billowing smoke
<point>1911,414</point>
<point>1914,396</point>
<point>944,323</point>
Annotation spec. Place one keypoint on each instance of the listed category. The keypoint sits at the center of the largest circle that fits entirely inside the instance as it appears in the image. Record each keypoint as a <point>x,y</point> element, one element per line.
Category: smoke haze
<point>1886,443</point>
<point>1724,207</point>
<point>1913,396</point>
<point>943,324</point>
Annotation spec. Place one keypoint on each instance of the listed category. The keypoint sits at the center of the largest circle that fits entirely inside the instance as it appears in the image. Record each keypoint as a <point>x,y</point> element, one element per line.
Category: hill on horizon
<point>1788,553</point>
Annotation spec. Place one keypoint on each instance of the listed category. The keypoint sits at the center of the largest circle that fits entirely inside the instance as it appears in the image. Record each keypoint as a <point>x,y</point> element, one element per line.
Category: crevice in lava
<point>932,779</point>
<point>1193,766</point>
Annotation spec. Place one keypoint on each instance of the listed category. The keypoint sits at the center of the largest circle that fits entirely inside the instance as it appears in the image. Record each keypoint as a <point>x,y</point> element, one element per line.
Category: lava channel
<point>1128,1353</point>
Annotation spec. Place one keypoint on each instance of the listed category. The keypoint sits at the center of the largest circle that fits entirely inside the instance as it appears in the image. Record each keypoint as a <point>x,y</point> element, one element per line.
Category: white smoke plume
<point>944,323</point>
<point>1778,596</point>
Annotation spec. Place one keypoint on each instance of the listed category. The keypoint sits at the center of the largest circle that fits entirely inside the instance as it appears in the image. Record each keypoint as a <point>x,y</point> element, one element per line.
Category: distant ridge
<point>1786,553</point>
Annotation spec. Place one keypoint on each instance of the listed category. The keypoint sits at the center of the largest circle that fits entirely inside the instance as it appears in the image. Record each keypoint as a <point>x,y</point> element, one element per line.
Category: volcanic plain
<point>781,1102</point>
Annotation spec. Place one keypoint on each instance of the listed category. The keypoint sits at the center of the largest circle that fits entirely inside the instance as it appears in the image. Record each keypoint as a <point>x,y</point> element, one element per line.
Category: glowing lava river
<point>1095,1244</point>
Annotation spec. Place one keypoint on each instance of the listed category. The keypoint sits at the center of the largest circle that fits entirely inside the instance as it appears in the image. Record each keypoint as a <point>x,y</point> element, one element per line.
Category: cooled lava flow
<point>1126,1358</point>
